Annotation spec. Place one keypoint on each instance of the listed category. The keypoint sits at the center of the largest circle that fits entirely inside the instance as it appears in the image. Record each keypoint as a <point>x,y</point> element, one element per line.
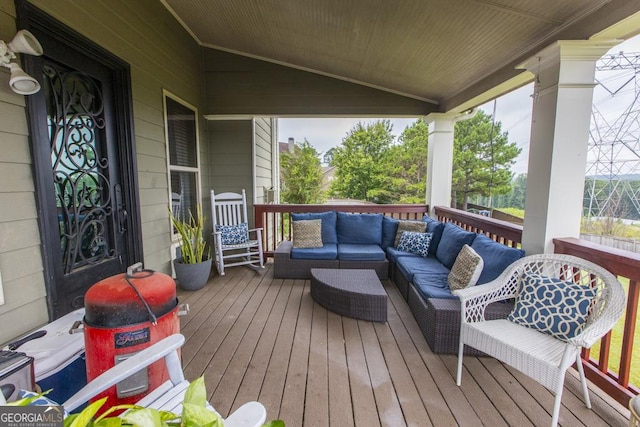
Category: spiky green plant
<point>191,231</point>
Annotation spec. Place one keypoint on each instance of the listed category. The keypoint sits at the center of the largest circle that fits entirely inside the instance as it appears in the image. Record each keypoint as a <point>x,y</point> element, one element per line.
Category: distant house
<point>328,173</point>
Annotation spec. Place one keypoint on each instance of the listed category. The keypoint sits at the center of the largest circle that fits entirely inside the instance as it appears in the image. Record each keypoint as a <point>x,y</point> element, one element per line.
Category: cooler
<point>59,357</point>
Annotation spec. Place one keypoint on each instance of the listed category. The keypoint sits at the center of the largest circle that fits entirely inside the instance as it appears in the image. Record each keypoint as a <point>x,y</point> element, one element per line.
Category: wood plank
<point>412,406</point>
<point>246,346</point>
<point>274,380</point>
<point>316,408</point>
<point>340,408</point>
<point>293,398</point>
<point>254,377</point>
<point>359,380</point>
<point>387,402</point>
<point>454,397</point>
<point>432,399</point>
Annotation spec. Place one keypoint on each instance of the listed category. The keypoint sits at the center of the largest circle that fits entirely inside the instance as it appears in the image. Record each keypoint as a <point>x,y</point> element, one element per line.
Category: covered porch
<point>254,337</point>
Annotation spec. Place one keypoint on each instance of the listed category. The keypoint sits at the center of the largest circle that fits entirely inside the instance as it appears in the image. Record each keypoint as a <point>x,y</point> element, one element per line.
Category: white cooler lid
<point>58,347</point>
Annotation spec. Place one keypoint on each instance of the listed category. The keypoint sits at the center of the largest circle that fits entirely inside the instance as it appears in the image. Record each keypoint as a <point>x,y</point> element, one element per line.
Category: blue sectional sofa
<point>349,241</point>
<point>367,241</point>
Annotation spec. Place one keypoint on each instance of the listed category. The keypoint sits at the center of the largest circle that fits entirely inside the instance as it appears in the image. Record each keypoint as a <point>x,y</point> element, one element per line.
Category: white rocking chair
<point>229,215</point>
<point>168,396</point>
<point>542,357</point>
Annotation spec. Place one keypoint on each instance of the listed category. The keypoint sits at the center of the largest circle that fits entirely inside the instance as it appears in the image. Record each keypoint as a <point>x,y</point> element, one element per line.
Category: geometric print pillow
<point>552,306</point>
<point>233,234</point>
<point>415,243</point>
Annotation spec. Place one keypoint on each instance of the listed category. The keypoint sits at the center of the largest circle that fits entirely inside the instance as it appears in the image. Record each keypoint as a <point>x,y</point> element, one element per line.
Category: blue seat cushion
<point>393,254</point>
<point>359,229</point>
<point>389,230</point>
<point>353,252</point>
<point>329,234</point>
<point>327,251</point>
<point>496,257</point>
<point>409,266</point>
<point>433,285</point>
<point>453,239</point>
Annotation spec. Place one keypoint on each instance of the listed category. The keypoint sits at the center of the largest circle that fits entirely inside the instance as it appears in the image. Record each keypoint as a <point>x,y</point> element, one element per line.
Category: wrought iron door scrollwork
<point>80,166</point>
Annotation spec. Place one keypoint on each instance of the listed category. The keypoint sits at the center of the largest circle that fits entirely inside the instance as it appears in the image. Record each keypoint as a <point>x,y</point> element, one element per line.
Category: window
<point>181,128</point>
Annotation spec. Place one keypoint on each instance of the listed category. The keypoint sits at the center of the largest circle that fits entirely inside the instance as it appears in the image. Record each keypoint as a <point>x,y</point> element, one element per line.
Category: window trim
<point>175,238</point>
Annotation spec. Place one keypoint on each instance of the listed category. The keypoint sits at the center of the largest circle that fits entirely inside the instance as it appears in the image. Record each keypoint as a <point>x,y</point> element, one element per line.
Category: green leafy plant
<point>191,231</point>
<point>194,413</point>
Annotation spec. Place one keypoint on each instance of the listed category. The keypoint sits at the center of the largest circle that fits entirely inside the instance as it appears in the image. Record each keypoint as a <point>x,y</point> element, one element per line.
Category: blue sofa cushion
<point>453,239</point>
<point>436,228</point>
<point>359,229</point>
<point>327,251</point>
<point>433,285</point>
<point>389,230</point>
<point>329,234</point>
<point>393,254</point>
<point>496,257</point>
<point>409,266</point>
<point>353,252</point>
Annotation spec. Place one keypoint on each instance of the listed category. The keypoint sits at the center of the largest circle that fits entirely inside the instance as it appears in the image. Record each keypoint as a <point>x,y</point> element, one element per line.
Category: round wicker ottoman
<point>350,292</point>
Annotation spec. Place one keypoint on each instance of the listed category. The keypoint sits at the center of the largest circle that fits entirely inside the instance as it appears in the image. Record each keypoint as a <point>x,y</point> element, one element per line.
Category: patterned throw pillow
<point>404,225</point>
<point>233,234</point>
<point>415,243</point>
<point>307,233</point>
<point>552,306</point>
<point>466,270</point>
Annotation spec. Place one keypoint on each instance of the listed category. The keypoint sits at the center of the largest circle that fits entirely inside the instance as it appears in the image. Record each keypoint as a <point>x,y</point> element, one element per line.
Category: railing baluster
<point>626,353</point>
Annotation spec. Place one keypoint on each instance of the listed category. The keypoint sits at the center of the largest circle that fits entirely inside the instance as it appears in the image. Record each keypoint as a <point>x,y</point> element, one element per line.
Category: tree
<point>359,162</point>
<point>301,175</point>
<point>482,159</point>
<point>406,164</point>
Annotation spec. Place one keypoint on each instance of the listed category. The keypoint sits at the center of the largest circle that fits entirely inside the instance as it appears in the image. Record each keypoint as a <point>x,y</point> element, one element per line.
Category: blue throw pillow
<point>552,306</point>
<point>233,234</point>
<point>415,243</point>
<point>389,230</point>
<point>496,256</point>
<point>359,229</point>
<point>329,234</point>
<point>451,243</point>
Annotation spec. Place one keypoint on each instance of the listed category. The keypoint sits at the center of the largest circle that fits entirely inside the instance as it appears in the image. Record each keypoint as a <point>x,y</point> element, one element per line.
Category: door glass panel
<point>75,114</point>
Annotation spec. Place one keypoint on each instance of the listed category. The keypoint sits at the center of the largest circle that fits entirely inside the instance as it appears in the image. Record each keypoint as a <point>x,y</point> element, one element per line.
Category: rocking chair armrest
<point>165,348</point>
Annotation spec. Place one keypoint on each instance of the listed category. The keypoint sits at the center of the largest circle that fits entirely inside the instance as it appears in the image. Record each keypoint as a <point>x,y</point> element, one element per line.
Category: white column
<point>559,139</point>
<point>439,159</point>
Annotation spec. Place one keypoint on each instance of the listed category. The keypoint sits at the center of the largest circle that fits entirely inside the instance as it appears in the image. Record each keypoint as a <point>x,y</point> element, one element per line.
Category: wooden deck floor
<point>254,337</point>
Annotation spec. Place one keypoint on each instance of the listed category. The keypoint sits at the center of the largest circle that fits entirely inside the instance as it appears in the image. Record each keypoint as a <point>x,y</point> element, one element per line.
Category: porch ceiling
<point>446,51</point>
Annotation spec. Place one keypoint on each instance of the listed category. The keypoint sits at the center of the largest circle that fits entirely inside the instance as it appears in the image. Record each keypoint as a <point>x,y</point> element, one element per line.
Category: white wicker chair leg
<point>583,380</point>
<point>558,401</point>
<point>460,354</point>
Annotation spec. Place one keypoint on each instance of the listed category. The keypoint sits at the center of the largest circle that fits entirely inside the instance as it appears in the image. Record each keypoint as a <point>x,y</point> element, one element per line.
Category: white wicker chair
<point>542,357</point>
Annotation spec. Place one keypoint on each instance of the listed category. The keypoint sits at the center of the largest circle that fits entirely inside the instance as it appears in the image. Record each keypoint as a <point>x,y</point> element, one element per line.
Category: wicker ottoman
<point>350,292</point>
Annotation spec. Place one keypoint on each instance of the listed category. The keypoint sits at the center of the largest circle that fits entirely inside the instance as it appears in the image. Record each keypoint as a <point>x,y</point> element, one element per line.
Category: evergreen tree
<point>360,166</point>
<point>301,175</point>
<point>406,164</point>
<point>482,159</point>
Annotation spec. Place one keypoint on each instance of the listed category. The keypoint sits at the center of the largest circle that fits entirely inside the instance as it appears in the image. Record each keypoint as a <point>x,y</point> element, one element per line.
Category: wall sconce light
<point>23,42</point>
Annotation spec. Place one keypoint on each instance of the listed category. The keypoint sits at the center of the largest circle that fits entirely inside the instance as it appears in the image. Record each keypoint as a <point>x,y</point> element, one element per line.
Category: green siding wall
<point>162,55</point>
<point>264,128</point>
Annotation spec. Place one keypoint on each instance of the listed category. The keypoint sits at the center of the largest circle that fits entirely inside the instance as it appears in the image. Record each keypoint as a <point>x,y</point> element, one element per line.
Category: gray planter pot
<point>192,277</point>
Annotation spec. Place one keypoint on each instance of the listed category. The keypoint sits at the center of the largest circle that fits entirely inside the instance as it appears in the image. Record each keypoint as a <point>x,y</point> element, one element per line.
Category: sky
<point>513,110</point>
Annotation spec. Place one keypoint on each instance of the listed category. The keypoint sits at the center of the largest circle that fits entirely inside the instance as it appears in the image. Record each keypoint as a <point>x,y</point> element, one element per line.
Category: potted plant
<point>194,264</point>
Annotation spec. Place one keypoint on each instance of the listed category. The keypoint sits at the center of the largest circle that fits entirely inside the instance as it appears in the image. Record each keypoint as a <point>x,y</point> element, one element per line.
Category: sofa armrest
<point>283,251</point>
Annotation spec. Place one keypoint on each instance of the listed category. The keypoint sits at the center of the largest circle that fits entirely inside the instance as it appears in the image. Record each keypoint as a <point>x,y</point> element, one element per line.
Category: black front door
<point>86,187</point>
